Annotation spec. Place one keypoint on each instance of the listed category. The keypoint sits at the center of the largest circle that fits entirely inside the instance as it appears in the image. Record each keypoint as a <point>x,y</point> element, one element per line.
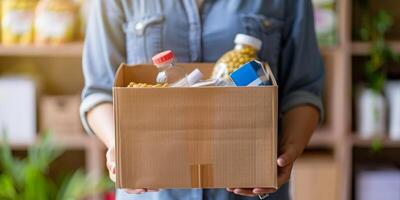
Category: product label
<point>54,24</point>
<point>18,21</point>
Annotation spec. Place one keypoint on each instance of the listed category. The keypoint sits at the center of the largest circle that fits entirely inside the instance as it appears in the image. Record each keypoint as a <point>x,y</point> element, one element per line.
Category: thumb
<point>288,156</point>
<point>112,172</point>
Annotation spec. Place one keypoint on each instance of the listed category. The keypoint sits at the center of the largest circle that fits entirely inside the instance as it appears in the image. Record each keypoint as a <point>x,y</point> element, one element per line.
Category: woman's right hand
<point>110,156</point>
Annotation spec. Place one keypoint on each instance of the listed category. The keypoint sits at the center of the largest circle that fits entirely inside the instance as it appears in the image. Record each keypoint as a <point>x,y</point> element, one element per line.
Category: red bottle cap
<point>163,57</point>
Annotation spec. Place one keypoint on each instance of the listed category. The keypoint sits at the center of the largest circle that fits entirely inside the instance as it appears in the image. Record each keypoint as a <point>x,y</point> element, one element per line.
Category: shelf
<point>362,48</point>
<point>64,50</point>
<point>386,142</point>
<point>68,142</point>
<point>328,50</point>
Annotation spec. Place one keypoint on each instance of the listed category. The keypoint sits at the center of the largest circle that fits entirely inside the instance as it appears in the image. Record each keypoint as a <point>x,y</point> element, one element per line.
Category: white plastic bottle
<point>169,73</point>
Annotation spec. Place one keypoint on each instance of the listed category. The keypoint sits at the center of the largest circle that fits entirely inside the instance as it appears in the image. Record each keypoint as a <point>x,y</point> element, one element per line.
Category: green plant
<point>27,179</point>
<point>374,29</point>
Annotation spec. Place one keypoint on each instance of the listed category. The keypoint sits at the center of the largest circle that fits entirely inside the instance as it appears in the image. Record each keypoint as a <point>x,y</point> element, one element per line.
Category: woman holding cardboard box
<point>132,31</point>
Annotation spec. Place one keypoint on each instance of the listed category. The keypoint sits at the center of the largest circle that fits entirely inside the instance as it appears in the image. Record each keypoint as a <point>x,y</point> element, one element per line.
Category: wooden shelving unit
<point>61,74</point>
<point>68,142</point>
<point>384,142</point>
<point>362,48</point>
<point>322,138</point>
<point>346,139</point>
<point>66,50</point>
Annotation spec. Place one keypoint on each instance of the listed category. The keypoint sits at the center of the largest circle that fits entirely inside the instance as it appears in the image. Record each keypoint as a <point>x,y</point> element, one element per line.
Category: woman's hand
<point>110,156</point>
<point>110,163</point>
<point>298,125</point>
<point>101,121</point>
<point>285,164</point>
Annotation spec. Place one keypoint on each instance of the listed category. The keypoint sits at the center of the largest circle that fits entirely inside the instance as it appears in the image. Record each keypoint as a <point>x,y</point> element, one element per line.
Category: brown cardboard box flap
<point>211,137</point>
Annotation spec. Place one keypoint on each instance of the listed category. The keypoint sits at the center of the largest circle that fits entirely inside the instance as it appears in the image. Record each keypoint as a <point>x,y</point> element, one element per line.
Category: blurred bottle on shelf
<point>325,22</point>
<point>378,184</point>
<point>56,21</point>
<point>371,113</point>
<point>392,91</point>
<point>17,21</point>
<point>18,109</point>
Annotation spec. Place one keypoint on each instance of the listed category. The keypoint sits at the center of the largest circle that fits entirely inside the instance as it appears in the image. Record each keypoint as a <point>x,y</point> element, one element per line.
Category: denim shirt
<point>132,31</point>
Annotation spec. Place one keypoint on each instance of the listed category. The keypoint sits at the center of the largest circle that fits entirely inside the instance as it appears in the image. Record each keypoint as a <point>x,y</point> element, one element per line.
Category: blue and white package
<point>250,74</point>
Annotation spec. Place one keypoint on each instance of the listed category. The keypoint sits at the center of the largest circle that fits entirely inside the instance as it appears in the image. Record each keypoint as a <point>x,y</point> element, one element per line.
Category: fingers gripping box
<point>210,137</point>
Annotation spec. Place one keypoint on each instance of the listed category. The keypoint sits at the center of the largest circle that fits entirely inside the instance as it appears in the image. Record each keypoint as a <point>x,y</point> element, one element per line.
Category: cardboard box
<point>210,137</point>
<point>60,114</point>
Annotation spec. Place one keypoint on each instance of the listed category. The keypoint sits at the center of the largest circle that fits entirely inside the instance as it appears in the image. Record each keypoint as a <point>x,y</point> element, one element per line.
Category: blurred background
<point>353,155</point>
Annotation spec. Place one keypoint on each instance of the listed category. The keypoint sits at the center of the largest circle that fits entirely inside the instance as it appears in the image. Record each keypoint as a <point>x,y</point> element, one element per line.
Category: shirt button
<point>139,26</point>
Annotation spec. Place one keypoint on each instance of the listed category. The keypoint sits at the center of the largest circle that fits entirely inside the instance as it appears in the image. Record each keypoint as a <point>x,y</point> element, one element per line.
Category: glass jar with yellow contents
<point>17,21</point>
<point>246,48</point>
<point>56,21</point>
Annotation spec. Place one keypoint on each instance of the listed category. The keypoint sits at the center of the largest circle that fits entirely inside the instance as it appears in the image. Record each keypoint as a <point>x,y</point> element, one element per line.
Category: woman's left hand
<point>285,164</point>
<point>298,125</point>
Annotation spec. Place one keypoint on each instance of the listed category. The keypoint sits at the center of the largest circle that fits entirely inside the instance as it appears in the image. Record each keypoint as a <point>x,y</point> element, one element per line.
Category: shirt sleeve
<point>103,51</point>
<point>301,75</point>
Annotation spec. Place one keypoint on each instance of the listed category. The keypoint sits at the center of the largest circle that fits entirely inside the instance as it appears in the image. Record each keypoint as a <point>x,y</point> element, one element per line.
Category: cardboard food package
<point>209,137</point>
<point>60,115</point>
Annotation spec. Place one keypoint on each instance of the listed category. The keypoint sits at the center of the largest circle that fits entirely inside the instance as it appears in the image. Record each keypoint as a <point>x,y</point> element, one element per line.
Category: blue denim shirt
<point>132,31</point>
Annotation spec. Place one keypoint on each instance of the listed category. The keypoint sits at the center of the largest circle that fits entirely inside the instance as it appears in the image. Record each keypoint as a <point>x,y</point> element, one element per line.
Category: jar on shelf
<point>56,21</point>
<point>17,21</point>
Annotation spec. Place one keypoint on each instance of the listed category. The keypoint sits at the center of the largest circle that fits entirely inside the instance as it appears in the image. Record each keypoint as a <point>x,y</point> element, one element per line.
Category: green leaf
<point>79,186</point>
<point>7,190</point>
<point>6,159</point>
<point>10,166</point>
<point>35,184</point>
<point>42,154</point>
<point>383,22</point>
<point>74,187</point>
<point>376,145</point>
<point>27,179</point>
<point>392,55</point>
<point>364,34</point>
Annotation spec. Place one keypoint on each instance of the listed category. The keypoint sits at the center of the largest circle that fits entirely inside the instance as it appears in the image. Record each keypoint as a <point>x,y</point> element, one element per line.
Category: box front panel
<point>202,137</point>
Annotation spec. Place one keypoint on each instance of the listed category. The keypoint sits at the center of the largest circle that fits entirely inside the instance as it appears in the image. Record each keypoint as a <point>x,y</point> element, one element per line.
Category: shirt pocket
<point>269,30</point>
<point>143,38</point>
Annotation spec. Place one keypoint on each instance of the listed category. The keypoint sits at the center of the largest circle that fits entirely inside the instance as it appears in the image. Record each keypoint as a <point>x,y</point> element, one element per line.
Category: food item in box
<point>245,50</point>
<point>17,21</point>
<point>251,74</point>
<point>209,82</point>
<point>169,72</point>
<point>146,85</point>
<point>56,21</point>
<point>192,78</point>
